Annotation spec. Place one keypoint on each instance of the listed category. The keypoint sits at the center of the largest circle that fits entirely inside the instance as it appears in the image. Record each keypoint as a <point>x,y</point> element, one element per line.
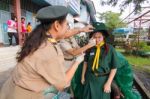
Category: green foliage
<point>125,3</point>
<point>142,46</point>
<point>112,20</point>
<point>138,61</point>
<point>146,48</point>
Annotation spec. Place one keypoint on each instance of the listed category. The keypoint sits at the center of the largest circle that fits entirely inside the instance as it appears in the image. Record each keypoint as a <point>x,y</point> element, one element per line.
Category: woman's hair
<point>13,17</point>
<point>36,38</point>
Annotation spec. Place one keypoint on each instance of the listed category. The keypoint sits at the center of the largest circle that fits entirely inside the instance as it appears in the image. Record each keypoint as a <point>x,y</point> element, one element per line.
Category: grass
<point>140,63</point>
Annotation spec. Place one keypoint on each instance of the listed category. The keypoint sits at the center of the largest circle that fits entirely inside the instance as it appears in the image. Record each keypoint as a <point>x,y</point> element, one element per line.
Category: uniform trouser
<point>10,35</point>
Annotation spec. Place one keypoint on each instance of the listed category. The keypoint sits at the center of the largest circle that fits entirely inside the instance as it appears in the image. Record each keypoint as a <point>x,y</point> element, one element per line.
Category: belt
<point>100,74</point>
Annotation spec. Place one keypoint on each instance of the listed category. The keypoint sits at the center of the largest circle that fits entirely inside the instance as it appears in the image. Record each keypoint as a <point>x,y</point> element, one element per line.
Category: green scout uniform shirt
<point>94,85</point>
<point>106,63</point>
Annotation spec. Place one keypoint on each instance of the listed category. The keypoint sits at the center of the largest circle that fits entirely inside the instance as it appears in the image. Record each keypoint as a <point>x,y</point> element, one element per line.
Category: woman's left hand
<point>107,88</point>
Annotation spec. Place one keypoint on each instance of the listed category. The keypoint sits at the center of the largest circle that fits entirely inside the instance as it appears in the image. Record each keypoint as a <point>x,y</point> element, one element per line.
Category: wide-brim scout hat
<point>100,27</point>
<point>49,13</point>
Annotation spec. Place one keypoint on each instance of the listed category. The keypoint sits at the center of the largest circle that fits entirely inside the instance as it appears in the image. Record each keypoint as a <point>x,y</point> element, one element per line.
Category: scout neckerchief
<point>53,41</point>
<point>97,55</point>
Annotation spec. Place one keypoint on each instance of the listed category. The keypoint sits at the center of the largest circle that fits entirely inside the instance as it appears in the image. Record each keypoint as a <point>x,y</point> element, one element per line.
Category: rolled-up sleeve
<point>64,45</point>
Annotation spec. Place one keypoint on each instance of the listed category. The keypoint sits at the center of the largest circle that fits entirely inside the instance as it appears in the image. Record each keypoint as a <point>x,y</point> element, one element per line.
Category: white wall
<point>4,16</point>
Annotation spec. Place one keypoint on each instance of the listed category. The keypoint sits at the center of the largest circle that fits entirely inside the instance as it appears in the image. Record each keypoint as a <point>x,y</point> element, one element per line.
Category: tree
<point>112,20</point>
<point>125,3</point>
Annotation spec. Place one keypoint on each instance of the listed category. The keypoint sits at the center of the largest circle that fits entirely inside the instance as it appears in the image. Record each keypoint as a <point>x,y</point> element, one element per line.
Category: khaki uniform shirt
<point>43,68</point>
<point>35,73</point>
<point>68,44</point>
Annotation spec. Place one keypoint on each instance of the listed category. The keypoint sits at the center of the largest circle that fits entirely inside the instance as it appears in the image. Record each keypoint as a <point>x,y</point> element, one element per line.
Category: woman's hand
<point>82,80</point>
<point>107,88</point>
<point>88,28</point>
<point>80,58</point>
<point>92,42</point>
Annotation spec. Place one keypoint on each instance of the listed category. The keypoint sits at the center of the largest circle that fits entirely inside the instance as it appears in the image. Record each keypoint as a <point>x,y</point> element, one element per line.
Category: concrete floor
<point>7,61</point>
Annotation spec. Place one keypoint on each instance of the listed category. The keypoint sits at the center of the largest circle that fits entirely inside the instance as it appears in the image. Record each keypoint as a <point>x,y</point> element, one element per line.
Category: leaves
<point>112,20</point>
<point>137,3</point>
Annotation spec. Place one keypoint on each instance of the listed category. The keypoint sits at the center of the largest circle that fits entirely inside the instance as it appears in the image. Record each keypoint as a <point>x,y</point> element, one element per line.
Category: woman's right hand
<point>92,42</point>
<point>80,58</point>
<point>82,80</point>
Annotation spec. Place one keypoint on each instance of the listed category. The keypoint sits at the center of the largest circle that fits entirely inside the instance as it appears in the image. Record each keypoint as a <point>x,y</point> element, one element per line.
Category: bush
<point>142,46</point>
<point>143,49</point>
<point>148,43</point>
<point>146,48</point>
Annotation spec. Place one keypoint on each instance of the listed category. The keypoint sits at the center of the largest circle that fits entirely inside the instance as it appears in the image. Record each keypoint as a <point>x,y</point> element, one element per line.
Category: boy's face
<point>98,37</point>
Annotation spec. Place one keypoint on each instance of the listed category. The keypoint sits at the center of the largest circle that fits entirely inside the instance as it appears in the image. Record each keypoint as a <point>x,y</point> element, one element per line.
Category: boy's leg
<point>16,38</point>
<point>10,35</point>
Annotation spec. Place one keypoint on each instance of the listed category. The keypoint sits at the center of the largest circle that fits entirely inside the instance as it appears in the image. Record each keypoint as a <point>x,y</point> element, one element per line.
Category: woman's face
<point>63,29</point>
<point>98,37</point>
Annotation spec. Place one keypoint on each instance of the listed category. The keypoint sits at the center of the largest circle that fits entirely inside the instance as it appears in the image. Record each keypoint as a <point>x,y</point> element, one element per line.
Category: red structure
<point>18,14</point>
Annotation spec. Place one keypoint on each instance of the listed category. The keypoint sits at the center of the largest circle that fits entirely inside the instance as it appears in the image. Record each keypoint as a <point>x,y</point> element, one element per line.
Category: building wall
<point>6,9</point>
<point>29,9</point>
<point>4,16</point>
<point>84,15</point>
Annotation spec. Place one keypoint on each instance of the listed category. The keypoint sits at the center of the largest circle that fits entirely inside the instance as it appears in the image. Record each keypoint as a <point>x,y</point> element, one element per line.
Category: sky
<point>126,12</point>
<point>101,9</point>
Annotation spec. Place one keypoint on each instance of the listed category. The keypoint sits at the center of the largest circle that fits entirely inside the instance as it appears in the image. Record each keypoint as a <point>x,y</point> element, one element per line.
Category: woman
<point>40,61</point>
<point>100,66</point>
<point>12,30</point>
